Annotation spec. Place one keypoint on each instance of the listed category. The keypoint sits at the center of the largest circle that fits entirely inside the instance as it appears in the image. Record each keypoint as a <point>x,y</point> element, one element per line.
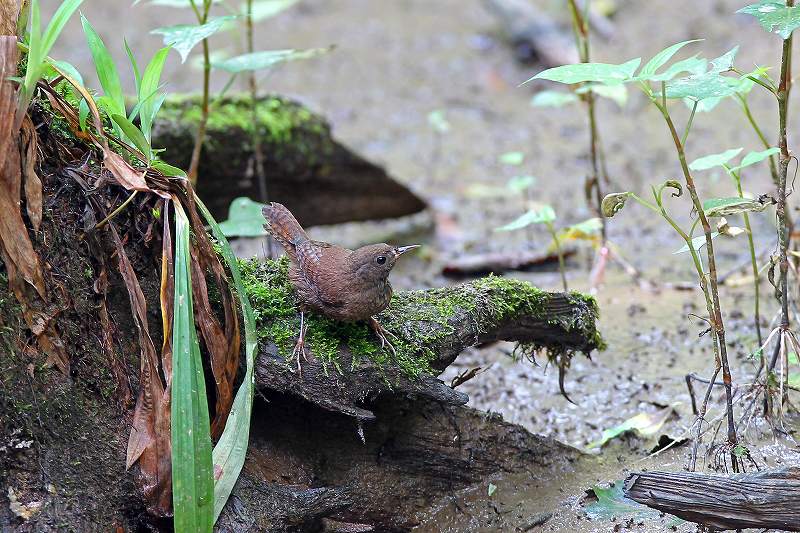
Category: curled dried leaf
<point>613,202</point>
<point>674,184</point>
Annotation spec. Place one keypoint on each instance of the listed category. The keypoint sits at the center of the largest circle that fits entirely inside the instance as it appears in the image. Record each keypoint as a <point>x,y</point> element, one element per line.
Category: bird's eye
<point>381,259</point>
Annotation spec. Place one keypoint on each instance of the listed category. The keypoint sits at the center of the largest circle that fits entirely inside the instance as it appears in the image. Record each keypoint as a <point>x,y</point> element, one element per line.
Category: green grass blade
<point>133,133</point>
<point>106,69</point>
<point>35,65</point>
<point>149,85</point>
<point>192,474</point>
<point>230,451</point>
<point>57,23</point>
<point>137,75</point>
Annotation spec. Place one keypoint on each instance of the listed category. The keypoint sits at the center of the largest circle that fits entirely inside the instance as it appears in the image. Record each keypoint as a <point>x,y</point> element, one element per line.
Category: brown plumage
<point>343,284</point>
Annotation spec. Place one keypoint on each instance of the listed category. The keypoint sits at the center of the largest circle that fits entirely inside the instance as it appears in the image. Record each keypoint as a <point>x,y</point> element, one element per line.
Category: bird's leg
<point>382,334</point>
<point>300,346</point>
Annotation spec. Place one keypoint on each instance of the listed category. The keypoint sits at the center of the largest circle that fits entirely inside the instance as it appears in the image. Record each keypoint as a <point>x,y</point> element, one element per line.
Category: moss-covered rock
<point>300,155</point>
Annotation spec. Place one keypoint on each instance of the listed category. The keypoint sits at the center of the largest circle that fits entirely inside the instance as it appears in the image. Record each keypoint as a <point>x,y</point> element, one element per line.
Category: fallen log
<point>764,500</point>
<point>497,263</point>
<point>300,155</point>
<point>429,329</point>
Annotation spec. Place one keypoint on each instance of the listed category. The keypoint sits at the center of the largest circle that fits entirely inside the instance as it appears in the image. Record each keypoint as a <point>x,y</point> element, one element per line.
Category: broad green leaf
<point>520,183</point>
<point>612,504</point>
<point>703,106</point>
<point>643,424</point>
<point>775,16</point>
<point>167,169</point>
<point>69,69</point>
<point>541,215</point>
<point>184,37</point>
<point>691,65</point>
<point>512,158</point>
<point>714,160</point>
<point>553,99</point>
<point>756,157</point>
<point>244,219</point>
<point>106,69</point>
<point>192,471</point>
<point>265,9</point>
<point>150,82</point>
<point>598,72</point>
<point>266,59</point>
<point>230,451</point>
<point>721,207</point>
<point>697,243</point>
<point>133,133</point>
<point>617,93</point>
<point>438,121</point>
<point>661,58</point>
<point>702,86</point>
<point>725,61</point>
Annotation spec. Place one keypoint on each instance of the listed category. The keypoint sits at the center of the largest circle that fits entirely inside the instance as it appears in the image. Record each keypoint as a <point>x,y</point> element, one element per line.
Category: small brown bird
<point>346,285</point>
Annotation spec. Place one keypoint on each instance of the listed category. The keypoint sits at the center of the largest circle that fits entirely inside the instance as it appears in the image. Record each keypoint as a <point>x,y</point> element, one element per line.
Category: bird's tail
<point>282,225</point>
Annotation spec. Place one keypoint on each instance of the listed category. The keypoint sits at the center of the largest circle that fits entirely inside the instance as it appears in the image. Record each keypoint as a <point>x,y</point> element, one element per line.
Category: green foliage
<point>596,72</point>
<point>552,99</point>
<point>714,160</point>
<point>540,215</point>
<point>611,503</point>
<point>697,243</point>
<point>245,219</point>
<point>265,9</point>
<point>192,472</point>
<point>774,16</point>
<point>660,59</point>
<point>39,45</point>
<point>512,158</point>
<point>184,37</point>
<point>149,99</point>
<point>755,157</point>
<point>113,101</point>
<point>265,60</point>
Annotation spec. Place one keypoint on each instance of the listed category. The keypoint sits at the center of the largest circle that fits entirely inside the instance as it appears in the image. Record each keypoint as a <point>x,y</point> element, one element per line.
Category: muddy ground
<point>397,60</point>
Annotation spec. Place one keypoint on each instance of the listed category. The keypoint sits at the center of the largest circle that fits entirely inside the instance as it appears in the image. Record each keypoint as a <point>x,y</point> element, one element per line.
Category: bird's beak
<point>400,250</point>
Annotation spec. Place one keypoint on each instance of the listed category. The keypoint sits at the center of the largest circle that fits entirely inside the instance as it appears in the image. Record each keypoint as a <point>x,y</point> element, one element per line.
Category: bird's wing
<point>310,260</point>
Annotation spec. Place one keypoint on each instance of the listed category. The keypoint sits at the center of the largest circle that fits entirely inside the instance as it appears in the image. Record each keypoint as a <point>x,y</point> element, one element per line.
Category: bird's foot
<point>300,346</point>
<point>382,334</point>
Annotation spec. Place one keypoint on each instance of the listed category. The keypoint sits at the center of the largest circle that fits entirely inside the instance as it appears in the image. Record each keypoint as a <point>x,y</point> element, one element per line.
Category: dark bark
<point>300,155</point>
<point>767,499</point>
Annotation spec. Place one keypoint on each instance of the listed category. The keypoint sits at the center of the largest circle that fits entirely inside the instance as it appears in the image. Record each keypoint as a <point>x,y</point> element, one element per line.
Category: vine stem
<point>710,286</point>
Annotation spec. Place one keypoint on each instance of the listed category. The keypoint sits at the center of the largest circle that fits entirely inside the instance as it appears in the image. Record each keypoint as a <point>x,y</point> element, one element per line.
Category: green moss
<point>420,322</point>
<point>278,118</point>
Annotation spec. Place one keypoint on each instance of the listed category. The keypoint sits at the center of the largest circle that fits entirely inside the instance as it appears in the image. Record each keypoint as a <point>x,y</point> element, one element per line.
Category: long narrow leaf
<point>106,69</point>
<point>149,85</point>
<point>57,23</point>
<point>266,59</point>
<point>137,75</point>
<point>133,133</point>
<point>230,451</point>
<point>192,477</point>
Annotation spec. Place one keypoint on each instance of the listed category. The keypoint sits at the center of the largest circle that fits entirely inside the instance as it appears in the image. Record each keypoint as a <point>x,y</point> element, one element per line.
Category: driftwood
<point>300,155</point>
<point>768,500</point>
<point>497,263</point>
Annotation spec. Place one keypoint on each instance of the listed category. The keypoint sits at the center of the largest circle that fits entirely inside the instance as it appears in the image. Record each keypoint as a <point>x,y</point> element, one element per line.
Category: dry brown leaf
<point>126,175</point>
<point>149,441</point>
<point>166,293</point>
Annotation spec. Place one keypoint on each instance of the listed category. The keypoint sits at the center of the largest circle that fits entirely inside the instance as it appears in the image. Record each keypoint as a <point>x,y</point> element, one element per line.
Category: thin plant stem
<point>561,265</point>
<point>760,134</point>
<point>689,123</point>
<point>194,163</point>
<point>753,261</point>
<point>784,87</point>
<point>711,286</point>
<point>580,25</point>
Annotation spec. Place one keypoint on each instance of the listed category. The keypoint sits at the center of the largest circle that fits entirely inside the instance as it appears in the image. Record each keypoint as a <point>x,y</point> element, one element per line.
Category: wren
<point>342,284</point>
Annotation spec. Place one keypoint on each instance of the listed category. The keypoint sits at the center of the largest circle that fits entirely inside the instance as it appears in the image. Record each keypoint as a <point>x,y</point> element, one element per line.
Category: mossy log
<point>429,328</point>
<point>300,155</point>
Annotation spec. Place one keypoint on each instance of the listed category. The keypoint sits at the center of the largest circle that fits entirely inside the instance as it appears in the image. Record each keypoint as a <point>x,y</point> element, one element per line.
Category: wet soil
<point>397,61</point>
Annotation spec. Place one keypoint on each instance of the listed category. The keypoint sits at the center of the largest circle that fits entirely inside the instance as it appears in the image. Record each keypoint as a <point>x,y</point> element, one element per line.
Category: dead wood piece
<point>497,263</point>
<point>300,155</point>
<point>534,35</point>
<point>767,499</point>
